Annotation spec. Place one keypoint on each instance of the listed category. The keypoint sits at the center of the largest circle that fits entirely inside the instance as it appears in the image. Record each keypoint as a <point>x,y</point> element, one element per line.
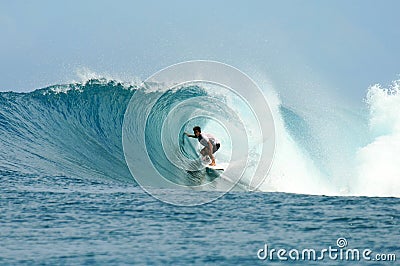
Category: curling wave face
<point>68,130</point>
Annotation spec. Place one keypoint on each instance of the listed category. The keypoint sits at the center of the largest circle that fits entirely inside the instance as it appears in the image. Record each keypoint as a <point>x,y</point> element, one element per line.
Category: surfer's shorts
<point>216,147</point>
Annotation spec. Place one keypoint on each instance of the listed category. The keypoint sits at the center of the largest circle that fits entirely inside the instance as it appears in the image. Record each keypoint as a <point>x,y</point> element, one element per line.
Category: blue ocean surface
<point>71,221</point>
<point>67,196</point>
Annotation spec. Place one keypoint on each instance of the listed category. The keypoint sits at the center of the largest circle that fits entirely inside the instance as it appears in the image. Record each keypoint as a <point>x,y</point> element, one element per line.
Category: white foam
<point>378,169</point>
<point>85,74</point>
<point>292,170</point>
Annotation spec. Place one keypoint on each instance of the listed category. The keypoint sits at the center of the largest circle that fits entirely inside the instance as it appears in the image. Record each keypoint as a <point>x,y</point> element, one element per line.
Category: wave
<point>70,130</point>
<point>378,163</point>
<point>343,151</point>
<point>76,130</point>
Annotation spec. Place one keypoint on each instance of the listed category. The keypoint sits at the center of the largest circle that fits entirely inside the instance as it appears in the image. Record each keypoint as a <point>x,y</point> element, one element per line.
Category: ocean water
<point>68,196</point>
<point>62,220</point>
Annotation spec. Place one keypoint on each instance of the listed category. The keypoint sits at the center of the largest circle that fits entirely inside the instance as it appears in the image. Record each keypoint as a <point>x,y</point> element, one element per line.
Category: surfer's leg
<point>215,148</point>
<point>204,151</point>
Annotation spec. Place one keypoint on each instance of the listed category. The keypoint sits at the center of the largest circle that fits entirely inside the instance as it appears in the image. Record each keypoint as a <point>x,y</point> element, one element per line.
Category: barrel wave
<point>75,130</point>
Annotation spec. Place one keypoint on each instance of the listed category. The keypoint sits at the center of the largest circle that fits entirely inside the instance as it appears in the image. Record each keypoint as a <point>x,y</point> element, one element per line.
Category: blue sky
<point>338,46</point>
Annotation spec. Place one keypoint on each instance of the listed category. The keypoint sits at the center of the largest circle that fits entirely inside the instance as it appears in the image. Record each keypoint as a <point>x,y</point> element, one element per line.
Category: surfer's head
<point>197,131</point>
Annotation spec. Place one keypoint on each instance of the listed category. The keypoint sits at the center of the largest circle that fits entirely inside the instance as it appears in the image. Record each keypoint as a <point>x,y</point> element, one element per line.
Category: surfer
<point>209,141</point>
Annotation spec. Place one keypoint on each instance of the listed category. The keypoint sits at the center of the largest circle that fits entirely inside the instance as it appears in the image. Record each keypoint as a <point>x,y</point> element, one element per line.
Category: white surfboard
<point>218,166</point>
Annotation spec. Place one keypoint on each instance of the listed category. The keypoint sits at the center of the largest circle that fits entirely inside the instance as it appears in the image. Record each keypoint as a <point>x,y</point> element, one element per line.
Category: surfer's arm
<point>190,136</point>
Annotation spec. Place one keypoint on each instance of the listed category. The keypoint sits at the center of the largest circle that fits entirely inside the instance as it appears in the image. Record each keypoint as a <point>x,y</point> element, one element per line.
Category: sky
<point>342,47</point>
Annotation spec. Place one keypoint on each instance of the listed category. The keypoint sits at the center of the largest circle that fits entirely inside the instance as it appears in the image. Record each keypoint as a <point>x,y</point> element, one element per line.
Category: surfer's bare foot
<point>212,164</point>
